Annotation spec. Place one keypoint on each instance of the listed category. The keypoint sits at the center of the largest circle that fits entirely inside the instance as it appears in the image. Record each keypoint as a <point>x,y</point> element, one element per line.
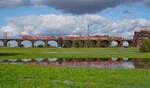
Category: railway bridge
<point>73,41</point>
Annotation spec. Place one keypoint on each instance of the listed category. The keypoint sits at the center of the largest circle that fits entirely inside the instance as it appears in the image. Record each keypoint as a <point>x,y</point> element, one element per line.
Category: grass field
<point>34,76</point>
<point>19,53</point>
<point>29,76</point>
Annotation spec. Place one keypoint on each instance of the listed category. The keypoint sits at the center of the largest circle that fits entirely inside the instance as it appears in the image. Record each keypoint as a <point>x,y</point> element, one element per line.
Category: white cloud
<point>70,25</point>
<point>126,26</point>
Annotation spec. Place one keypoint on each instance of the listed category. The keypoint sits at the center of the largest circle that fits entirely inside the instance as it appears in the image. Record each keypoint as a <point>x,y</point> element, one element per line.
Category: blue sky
<point>24,11</point>
<point>136,10</point>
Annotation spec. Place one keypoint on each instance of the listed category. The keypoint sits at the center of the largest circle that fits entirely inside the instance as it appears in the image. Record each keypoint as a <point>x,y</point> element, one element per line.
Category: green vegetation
<point>81,44</point>
<point>92,44</point>
<point>67,44</point>
<point>76,45</point>
<point>40,46</point>
<point>18,53</point>
<point>145,45</point>
<point>21,45</point>
<point>104,43</point>
<point>29,76</point>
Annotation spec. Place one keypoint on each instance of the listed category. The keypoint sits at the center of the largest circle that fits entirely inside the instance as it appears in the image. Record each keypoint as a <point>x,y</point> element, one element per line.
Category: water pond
<point>127,63</point>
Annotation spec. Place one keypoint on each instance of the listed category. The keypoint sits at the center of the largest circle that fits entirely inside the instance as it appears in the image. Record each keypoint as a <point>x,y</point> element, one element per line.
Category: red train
<point>39,37</point>
<point>70,37</point>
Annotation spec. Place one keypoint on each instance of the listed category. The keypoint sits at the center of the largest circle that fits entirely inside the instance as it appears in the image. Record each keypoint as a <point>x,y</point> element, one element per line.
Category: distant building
<point>140,35</point>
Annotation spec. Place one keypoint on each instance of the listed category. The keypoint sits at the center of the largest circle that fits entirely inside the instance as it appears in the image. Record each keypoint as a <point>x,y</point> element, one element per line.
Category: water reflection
<point>83,62</point>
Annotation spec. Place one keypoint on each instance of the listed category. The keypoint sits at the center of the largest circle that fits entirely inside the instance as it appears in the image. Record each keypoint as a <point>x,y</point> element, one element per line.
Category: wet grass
<point>19,53</point>
<point>29,76</point>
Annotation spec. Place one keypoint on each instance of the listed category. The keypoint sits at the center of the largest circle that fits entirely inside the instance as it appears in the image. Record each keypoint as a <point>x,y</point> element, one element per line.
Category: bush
<point>76,45</point>
<point>104,44</point>
<point>40,46</point>
<point>81,44</point>
<point>21,45</point>
<point>67,45</point>
<point>92,44</point>
<point>145,45</point>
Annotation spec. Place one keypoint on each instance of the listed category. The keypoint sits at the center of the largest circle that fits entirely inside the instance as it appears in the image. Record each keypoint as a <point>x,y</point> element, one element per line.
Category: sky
<point>71,17</point>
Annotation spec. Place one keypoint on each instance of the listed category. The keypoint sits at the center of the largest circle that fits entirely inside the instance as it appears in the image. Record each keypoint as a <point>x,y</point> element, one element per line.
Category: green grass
<point>34,76</point>
<point>18,53</point>
<point>29,76</point>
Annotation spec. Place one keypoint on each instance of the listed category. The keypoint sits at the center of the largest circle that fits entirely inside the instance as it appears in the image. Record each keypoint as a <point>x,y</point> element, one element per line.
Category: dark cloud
<point>14,3</point>
<point>72,6</point>
<point>147,2</point>
<point>84,6</point>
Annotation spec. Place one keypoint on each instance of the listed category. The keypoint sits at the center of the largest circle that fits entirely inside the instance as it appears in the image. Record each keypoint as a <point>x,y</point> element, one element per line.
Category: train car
<point>39,37</point>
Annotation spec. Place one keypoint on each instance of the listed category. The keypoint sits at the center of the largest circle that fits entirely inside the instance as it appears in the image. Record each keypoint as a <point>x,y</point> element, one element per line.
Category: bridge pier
<point>46,43</point>
<point>19,43</point>
<point>97,44</point>
<point>60,42</point>
<point>120,44</point>
<point>32,44</point>
<point>4,43</point>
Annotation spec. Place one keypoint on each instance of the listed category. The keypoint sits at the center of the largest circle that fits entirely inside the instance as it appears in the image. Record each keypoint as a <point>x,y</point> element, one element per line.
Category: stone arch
<point>52,43</point>
<point>104,43</point>
<point>115,43</point>
<point>12,43</point>
<point>93,43</point>
<point>127,43</point>
<point>39,43</point>
<point>68,44</point>
<point>1,43</point>
<point>26,43</point>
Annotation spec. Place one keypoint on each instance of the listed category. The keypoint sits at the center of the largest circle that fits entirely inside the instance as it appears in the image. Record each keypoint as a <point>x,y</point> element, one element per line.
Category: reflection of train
<point>71,37</point>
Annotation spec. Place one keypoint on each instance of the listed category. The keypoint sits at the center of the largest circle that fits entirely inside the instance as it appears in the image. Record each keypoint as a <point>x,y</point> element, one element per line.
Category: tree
<point>40,46</point>
<point>67,44</point>
<point>92,44</point>
<point>81,44</point>
<point>104,43</point>
<point>76,45</point>
<point>21,45</point>
<point>145,45</point>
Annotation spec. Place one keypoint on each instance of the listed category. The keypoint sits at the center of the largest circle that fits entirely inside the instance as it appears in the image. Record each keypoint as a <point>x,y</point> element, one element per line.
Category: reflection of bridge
<point>83,41</point>
<point>84,62</point>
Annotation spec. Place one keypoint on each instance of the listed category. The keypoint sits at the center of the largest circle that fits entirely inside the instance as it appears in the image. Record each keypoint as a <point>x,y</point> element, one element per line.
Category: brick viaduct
<point>97,40</point>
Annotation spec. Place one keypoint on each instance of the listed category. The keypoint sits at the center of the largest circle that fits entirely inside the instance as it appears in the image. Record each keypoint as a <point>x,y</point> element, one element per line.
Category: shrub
<point>145,45</point>
<point>40,46</point>
<point>81,44</point>
<point>76,45</point>
<point>67,45</point>
<point>92,44</point>
<point>21,45</point>
<point>104,44</point>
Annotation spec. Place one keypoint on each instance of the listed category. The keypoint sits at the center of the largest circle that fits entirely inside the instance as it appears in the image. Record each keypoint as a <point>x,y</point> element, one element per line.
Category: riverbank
<point>19,53</point>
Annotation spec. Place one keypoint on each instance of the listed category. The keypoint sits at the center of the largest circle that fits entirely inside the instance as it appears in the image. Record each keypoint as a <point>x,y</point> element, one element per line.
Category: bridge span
<point>74,41</point>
